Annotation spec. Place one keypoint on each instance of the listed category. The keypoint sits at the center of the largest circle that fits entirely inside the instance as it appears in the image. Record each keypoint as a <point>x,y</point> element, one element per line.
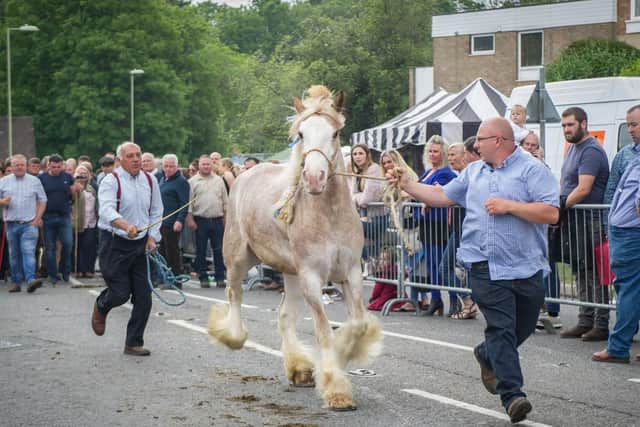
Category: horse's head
<point>317,129</point>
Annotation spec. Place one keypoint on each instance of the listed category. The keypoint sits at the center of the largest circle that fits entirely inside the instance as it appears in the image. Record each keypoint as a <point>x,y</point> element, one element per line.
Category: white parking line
<point>221,301</point>
<point>248,344</point>
<point>469,407</point>
<point>414,338</point>
<point>634,380</point>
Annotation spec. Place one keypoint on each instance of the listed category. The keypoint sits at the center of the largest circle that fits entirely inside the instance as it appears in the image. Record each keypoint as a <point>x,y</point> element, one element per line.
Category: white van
<point>606,101</point>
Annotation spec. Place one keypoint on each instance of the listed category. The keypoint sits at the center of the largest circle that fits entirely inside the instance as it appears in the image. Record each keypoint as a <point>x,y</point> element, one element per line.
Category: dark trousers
<point>209,230</point>
<point>87,251</point>
<point>124,268</point>
<point>170,249</point>
<point>511,309</point>
<point>58,228</point>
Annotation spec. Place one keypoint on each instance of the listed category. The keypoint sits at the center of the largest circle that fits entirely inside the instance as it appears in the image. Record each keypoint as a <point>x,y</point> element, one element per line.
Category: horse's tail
<point>358,341</point>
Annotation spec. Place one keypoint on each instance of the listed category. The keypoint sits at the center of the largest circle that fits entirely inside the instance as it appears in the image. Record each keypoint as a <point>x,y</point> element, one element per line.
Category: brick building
<point>507,47</point>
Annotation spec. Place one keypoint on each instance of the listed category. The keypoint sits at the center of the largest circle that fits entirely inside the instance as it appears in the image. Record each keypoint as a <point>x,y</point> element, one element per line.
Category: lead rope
<point>168,278</point>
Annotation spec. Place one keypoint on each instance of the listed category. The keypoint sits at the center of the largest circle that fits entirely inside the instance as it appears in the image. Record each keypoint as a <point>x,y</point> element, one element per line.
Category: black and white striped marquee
<point>455,116</point>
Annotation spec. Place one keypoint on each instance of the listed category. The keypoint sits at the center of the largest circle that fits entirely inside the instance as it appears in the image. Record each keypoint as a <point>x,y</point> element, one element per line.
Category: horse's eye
<point>335,134</point>
<point>300,136</point>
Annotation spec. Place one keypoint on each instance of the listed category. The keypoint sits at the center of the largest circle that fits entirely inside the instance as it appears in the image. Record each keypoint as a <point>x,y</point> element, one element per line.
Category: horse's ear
<point>297,104</point>
<point>338,103</point>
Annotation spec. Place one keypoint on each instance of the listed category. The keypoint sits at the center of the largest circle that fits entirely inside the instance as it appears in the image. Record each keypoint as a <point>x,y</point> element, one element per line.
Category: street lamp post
<point>26,28</point>
<point>132,73</point>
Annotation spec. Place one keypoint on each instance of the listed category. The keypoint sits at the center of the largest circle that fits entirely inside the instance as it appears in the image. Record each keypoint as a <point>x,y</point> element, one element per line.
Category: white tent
<point>454,116</point>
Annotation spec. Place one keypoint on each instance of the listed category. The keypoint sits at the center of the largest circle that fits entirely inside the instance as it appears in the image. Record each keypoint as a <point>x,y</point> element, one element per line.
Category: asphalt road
<point>55,372</point>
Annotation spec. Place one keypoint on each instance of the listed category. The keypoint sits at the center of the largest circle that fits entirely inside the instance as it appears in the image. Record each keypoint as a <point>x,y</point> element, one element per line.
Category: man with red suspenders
<point>129,201</point>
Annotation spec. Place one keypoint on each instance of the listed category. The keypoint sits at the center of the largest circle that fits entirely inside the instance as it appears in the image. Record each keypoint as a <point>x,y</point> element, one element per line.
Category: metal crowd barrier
<point>423,255</point>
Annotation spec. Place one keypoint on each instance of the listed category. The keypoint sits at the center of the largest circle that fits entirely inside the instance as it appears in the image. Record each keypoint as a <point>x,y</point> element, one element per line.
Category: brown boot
<point>14,288</point>
<point>575,332</point>
<point>136,351</point>
<point>518,409</point>
<point>596,335</point>
<point>98,321</point>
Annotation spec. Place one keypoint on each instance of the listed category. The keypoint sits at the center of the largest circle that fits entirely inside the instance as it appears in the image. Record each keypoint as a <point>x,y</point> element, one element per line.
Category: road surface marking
<point>221,301</point>
<point>634,380</point>
<point>414,338</point>
<point>248,344</point>
<point>469,407</point>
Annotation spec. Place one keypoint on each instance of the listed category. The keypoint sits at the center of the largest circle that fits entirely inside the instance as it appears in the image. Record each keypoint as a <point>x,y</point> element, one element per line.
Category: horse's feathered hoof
<point>303,379</point>
<point>345,409</point>
<point>303,385</point>
<point>340,402</point>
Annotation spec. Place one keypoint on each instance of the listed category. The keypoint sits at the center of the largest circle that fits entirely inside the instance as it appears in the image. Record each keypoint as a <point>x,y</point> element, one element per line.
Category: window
<point>530,55</point>
<point>483,44</point>
<point>633,23</point>
<point>623,136</point>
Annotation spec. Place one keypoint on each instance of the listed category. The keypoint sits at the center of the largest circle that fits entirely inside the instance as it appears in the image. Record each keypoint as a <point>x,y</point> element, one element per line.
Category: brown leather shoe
<point>596,335</point>
<point>98,321</point>
<point>33,285</point>
<point>136,351</point>
<point>638,357</point>
<point>14,288</point>
<point>487,375</point>
<point>604,356</point>
<point>518,409</point>
<point>220,284</point>
<point>575,332</point>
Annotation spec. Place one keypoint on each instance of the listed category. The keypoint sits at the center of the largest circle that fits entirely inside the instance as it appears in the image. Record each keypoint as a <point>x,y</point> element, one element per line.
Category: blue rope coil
<point>168,278</point>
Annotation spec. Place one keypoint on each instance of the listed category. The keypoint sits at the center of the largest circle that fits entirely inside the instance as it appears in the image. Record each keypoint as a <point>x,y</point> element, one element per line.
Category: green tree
<point>591,58</point>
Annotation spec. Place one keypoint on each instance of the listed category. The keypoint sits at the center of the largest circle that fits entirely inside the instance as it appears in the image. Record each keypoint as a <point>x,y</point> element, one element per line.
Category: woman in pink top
<point>365,191</point>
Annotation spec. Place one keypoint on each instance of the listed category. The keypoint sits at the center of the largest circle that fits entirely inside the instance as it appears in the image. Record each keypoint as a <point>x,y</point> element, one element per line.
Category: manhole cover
<point>362,373</point>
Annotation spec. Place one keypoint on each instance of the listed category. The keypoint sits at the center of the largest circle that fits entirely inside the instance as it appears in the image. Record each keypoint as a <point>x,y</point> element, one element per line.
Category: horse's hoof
<point>303,379</point>
<point>341,403</point>
<point>344,409</point>
<point>303,385</point>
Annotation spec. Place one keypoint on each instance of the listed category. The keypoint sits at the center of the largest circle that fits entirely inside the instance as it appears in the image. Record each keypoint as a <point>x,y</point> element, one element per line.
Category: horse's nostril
<point>322,176</point>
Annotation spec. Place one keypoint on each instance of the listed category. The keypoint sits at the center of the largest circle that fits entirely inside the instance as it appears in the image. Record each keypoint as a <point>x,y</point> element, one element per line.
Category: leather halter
<point>331,164</point>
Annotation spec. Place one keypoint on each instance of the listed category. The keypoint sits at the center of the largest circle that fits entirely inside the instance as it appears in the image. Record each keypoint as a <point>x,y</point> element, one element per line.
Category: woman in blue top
<point>433,225</point>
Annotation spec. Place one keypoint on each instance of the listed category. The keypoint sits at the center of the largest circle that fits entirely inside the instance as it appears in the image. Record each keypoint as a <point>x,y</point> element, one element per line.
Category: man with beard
<point>583,180</point>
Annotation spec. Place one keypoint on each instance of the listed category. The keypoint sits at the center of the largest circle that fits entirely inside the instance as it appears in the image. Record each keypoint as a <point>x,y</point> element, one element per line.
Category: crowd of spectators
<point>49,214</point>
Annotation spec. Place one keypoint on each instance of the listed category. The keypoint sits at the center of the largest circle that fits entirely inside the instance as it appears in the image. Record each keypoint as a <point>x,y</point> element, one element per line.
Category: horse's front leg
<point>360,338</point>
<point>331,381</point>
<point>298,363</point>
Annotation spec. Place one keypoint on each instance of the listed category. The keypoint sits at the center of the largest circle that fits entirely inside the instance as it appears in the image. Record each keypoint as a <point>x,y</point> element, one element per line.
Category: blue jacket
<point>441,176</point>
<point>175,194</point>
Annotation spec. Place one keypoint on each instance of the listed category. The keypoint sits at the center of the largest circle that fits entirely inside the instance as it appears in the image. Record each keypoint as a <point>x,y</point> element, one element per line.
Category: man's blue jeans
<point>511,309</point>
<point>22,239</point>
<point>58,228</point>
<point>624,253</point>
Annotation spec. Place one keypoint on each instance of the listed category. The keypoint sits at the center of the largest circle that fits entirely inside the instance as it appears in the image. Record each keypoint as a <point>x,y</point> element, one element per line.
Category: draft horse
<point>317,239</point>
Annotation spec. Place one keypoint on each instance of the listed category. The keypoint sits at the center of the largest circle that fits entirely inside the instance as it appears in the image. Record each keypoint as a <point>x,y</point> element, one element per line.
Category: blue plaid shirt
<point>618,167</point>
<point>626,201</point>
<point>514,248</point>
<point>25,193</point>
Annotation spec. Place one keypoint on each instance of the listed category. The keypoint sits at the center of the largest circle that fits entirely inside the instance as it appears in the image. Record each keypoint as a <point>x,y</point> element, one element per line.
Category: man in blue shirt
<point>25,201</point>
<point>583,180</point>
<point>624,251</point>
<point>509,197</point>
<point>59,187</point>
<point>130,201</point>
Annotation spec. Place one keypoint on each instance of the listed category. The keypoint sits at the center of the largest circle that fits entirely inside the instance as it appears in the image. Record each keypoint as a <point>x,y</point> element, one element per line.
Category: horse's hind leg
<point>225,324</point>
<point>298,364</point>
